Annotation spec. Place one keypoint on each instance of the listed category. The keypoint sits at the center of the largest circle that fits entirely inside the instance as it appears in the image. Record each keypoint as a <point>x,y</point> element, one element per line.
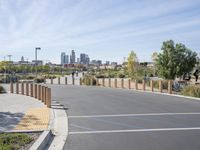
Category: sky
<point>104,29</point>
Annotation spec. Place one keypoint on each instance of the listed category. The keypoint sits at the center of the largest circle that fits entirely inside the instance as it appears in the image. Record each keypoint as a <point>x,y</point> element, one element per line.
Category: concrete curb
<point>43,141</point>
<point>60,128</point>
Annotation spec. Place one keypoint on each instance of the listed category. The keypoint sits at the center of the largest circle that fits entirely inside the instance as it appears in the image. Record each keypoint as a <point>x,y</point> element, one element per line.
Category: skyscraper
<point>62,58</point>
<point>72,57</point>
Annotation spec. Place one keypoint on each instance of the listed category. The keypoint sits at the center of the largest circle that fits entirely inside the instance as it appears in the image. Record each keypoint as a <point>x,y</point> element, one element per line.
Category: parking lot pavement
<point>102,118</point>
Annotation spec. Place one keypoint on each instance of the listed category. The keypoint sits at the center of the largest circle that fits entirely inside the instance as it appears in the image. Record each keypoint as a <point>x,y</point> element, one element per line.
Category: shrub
<point>2,90</point>
<point>39,80</point>
<point>193,91</point>
<point>121,75</point>
<point>88,79</point>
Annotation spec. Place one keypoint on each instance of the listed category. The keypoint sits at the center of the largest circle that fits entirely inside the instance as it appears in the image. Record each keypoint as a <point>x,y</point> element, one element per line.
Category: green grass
<point>14,141</point>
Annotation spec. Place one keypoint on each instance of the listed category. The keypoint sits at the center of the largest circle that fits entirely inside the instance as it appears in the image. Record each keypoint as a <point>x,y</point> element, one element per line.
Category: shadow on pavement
<point>8,120</point>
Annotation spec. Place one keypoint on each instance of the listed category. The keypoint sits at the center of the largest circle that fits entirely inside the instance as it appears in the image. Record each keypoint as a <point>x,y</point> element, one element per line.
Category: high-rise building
<point>63,58</point>
<point>72,57</point>
<point>84,59</point>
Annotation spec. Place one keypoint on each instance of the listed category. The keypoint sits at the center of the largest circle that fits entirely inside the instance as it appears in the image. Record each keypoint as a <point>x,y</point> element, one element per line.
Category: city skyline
<point>107,30</point>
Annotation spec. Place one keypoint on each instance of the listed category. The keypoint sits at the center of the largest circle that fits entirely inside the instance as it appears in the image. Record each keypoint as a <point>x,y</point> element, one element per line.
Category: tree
<point>132,64</point>
<point>153,58</point>
<point>175,60</point>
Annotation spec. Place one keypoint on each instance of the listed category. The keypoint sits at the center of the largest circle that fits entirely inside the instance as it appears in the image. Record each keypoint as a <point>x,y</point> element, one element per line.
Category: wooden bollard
<point>51,80</point>
<point>160,86</point>
<point>122,83</point>
<point>27,89</point>
<point>17,88</point>
<point>66,80</point>
<point>80,81</point>
<point>129,84</point>
<point>136,84</point>
<point>46,96</point>
<point>73,80</point>
<point>39,92</point>
<point>49,98</point>
<point>143,85</point>
<point>11,87</point>
<point>35,91</point>
<point>103,81</point>
<point>31,89</point>
<point>115,83</point>
<point>22,88</point>
<point>58,80</point>
<point>151,85</point>
<point>170,87</point>
<point>42,93</point>
<point>109,82</point>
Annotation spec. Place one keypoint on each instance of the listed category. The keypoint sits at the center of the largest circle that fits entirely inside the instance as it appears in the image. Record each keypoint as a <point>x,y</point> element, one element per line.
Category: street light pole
<point>36,49</point>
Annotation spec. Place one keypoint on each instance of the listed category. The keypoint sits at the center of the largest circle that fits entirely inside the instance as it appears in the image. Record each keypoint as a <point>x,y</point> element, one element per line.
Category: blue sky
<point>104,29</point>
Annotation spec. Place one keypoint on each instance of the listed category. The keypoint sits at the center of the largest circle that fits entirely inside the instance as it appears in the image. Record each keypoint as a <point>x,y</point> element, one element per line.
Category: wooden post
<point>160,86</point>
<point>46,96</point>
<point>103,81</point>
<point>27,89</point>
<point>129,83</point>
<point>51,80</point>
<point>136,84</point>
<point>11,87</point>
<point>43,93</point>
<point>35,91</point>
<point>115,83</point>
<point>49,98</point>
<point>31,89</point>
<point>39,92</point>
<point>80,81</point>
<point>109,82</point>
<point>66,80</point>
<point>73,80</point>
<point>17,88</point>
<point>122,83</point>
<point>22,88</point>
<point>151,84</point>
<point>170,87</point>
<point>143,85</point>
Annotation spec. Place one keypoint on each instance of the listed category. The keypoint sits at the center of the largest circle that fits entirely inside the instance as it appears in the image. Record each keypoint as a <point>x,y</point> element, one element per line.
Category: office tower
<point>72,57</point>
<point>62,58</point>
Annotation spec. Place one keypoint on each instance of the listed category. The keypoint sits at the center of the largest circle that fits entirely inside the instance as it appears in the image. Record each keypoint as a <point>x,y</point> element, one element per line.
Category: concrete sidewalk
<point>18,112</point>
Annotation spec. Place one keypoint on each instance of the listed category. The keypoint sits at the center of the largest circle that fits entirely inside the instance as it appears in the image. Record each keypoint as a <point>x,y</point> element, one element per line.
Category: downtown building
<point>64,58</point>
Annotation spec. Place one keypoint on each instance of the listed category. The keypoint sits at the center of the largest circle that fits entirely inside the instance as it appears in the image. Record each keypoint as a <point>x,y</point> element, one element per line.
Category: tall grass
<point>193,91</point>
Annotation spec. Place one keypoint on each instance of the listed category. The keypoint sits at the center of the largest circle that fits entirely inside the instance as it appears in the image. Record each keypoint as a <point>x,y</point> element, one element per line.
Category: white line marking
<point>132,115</point>
<point>136,130</point>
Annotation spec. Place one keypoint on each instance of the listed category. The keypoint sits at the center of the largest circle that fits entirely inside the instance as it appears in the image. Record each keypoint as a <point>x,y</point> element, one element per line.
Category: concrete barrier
<point>11,88</point>
<point>17,88</point>
<point>115,83</point>
<point>73,80</point>
<point>51,80</point>
<point>103,81</point>
<point>129,84</point>
<point>80,81</point>
<point>58,80</point>
<point>151,85</point>
<point>122,83</point>
<point>109,82</point>
<point>143,85</point>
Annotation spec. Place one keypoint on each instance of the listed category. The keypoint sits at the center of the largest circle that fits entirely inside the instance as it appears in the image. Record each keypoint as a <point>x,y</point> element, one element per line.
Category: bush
<point>88,79</point>
<point>2,90</point>
<point>39,80</point>
<point>193,91</point>
<point>121,75</point>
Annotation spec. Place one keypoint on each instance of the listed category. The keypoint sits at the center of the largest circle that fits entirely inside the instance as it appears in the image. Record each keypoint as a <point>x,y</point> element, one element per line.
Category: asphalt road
<point>115,119</point>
